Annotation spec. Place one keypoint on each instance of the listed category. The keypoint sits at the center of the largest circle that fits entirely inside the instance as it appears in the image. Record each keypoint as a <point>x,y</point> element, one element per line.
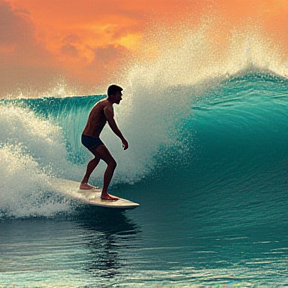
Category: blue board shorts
<point>91,142</point>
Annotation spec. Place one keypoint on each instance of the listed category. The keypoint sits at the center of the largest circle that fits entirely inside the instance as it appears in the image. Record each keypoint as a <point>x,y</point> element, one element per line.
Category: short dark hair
<point>113,89</point>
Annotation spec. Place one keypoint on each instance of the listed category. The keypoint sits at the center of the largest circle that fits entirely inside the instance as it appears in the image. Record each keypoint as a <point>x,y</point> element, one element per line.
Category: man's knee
<point>112,163</point>
<point>96,159</point>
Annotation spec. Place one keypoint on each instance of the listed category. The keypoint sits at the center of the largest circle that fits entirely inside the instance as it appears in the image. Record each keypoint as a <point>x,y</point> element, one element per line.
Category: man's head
<point>114,93</point>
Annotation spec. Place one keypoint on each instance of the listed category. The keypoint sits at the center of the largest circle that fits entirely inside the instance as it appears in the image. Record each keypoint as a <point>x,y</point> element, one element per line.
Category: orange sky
<point>87,44</point>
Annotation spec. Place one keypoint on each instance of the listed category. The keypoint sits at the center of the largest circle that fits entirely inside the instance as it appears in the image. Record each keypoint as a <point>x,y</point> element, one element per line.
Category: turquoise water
<point>207,163</point>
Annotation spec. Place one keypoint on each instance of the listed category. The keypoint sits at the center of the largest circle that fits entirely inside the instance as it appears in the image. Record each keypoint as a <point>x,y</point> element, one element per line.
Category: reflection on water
<point>111,232</point>
<point>77,248</point>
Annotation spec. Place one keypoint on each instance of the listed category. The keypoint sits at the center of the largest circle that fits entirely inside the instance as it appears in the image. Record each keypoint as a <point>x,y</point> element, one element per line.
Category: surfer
<point>100,114</point>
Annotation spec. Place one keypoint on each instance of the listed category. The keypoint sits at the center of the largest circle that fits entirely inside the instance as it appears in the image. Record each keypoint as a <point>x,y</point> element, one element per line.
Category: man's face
<point>118,97</point>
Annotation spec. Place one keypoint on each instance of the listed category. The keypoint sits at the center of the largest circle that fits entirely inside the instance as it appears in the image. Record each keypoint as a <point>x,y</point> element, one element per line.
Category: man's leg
<point>90,168</point>
<point>105,155</point>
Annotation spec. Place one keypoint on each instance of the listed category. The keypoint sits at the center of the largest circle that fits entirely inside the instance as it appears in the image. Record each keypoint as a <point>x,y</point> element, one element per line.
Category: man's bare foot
<point>109,197</point>
<point>86,186</point>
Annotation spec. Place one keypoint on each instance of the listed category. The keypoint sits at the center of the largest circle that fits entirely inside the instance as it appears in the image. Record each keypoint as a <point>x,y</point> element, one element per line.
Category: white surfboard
<point>92,197</point>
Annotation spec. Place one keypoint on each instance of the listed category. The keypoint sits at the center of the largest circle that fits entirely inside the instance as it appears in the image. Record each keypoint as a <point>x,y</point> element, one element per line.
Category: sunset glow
<point>87,44</point>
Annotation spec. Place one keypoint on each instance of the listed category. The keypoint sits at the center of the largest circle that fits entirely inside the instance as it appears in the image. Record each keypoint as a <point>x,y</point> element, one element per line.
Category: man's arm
<point>109,114</point>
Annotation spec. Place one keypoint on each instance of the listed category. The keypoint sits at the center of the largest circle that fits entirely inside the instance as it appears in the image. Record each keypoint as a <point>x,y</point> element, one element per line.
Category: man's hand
<point>125,144</point>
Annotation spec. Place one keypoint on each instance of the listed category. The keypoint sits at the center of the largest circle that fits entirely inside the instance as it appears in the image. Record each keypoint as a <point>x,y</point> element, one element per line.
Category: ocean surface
<point>208,163</point>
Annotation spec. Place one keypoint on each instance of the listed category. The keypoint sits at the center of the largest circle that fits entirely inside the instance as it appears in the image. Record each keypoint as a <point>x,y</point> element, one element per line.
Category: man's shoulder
<point>106,104</point>
<point>101,104</point>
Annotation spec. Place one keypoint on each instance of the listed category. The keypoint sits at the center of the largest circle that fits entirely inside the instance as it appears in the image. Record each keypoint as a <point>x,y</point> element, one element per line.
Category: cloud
<point>41,41</point>
<point>23,59</point>
<point>107,59</point>
<point>15,26</point>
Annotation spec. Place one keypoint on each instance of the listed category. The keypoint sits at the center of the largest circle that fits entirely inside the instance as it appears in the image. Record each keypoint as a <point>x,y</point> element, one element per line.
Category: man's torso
<point>97,119</point>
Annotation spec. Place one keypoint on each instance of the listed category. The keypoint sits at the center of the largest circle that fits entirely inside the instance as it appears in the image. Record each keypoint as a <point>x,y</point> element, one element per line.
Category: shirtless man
<point>101,113</point>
